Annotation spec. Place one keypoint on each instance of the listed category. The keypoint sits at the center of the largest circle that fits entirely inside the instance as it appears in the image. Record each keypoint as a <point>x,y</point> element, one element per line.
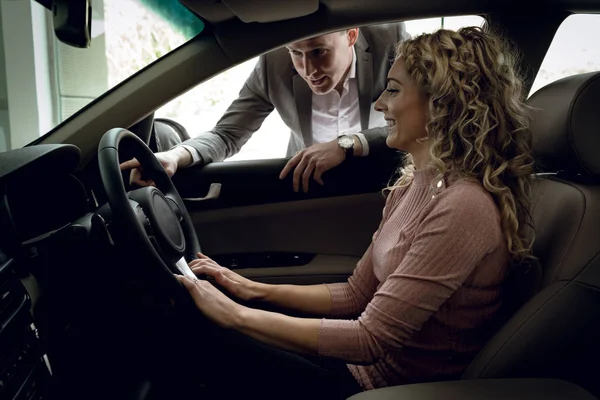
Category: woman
<point>422,300</point>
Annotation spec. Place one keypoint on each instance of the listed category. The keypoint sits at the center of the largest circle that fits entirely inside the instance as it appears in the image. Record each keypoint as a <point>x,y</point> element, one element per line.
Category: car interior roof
<point>276,10</point>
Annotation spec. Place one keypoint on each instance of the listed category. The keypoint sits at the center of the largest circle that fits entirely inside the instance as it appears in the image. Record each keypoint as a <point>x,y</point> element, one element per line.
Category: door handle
<point>213,194</point>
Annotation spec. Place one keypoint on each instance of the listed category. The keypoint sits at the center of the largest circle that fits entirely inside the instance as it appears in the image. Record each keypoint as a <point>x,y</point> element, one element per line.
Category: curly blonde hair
<point>478,121</point>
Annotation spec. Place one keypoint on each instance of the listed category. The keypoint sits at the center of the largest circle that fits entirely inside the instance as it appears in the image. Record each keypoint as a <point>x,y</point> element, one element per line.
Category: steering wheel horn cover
<point>163,221</point>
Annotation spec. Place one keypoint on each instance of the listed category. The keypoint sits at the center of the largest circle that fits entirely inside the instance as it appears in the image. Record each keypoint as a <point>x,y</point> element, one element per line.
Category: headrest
<point>566,125</point>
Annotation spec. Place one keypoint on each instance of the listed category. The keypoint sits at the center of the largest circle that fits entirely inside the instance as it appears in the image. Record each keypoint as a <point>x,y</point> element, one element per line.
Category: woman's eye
<point>391,91</point>
<point>319,52</point>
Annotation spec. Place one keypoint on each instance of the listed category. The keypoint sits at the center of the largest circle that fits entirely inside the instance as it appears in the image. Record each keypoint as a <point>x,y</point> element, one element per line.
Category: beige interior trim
<point>274,11</point>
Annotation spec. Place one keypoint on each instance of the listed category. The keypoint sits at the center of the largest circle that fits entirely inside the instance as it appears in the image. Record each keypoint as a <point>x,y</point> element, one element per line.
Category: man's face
<point>324,61</point>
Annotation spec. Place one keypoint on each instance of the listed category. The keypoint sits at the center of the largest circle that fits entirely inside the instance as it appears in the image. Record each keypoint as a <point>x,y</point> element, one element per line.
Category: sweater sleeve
<point>456,234</point>
<point>350,298</point>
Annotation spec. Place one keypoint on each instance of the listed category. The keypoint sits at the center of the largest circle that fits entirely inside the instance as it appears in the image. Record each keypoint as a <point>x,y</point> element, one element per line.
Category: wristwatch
<point>346,143</point>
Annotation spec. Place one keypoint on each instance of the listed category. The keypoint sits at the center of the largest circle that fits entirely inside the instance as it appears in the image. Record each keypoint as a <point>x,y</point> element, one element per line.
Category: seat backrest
<point>556,333</point>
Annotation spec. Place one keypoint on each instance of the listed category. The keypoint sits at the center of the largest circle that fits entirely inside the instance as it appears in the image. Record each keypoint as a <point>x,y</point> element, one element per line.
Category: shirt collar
<point>352,72</point>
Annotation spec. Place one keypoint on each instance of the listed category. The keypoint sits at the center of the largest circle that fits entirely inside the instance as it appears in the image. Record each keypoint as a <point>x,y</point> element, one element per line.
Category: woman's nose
<point>380,103</point>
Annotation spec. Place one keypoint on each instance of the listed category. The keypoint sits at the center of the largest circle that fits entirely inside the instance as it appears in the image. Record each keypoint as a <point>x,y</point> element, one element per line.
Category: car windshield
<point>44,81</point>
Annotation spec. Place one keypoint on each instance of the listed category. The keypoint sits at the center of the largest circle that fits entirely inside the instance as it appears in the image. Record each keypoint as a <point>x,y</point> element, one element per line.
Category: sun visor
<point>252,11</point>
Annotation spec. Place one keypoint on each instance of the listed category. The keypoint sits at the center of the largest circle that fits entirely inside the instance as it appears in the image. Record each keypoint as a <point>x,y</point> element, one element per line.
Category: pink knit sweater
<point>425,292</point>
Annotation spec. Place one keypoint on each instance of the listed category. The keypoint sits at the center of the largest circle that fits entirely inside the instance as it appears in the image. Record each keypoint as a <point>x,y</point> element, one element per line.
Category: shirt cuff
<point>340,339</point>
<point>196,157</point>
<point>365,144</point>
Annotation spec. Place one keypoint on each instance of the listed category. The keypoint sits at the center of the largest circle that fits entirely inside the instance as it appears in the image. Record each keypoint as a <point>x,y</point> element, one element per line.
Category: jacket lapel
<point>364,75</point>
<point>303,100</point>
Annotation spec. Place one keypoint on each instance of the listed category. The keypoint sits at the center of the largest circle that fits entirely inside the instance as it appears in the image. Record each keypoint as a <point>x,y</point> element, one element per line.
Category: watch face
<point>346,142</point>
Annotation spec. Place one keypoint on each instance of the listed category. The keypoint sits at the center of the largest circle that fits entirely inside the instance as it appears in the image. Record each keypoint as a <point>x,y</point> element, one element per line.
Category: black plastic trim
<point>263,260</point>
<point>257,181</point>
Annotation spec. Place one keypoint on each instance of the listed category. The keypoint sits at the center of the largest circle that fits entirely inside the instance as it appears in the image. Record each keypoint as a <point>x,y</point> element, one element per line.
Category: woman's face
<point>404,106</point>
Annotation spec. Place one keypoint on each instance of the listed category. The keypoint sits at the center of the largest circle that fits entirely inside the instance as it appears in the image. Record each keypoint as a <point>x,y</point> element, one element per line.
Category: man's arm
<point>244,116</point>
<point>375,138</point>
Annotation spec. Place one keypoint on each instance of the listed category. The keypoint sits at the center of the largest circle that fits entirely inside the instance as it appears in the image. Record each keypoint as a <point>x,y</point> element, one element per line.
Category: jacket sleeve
<point>244,116</point>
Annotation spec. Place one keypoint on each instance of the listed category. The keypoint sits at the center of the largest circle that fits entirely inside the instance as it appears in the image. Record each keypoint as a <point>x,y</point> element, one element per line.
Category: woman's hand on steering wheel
<point>235,284</point>
<point>217,307</point>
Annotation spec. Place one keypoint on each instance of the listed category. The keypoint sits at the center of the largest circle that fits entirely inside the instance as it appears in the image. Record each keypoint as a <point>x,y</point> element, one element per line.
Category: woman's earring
<point>422,140</point>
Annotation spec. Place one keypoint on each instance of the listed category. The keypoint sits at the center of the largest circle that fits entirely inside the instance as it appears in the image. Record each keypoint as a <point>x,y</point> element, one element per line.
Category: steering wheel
<point>153,221</point>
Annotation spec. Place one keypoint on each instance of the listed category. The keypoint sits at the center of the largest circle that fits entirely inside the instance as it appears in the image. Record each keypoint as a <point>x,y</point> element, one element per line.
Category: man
<point>323,88</point>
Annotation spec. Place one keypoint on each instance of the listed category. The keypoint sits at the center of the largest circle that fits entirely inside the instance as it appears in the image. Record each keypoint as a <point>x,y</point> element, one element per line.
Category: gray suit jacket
<point>274,83</point>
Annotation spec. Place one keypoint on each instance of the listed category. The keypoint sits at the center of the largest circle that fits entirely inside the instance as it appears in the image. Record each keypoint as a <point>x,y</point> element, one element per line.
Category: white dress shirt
<point>335,114</point>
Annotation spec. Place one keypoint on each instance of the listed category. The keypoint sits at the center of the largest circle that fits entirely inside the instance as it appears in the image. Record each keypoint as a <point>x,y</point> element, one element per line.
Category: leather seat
<point>556,333</point>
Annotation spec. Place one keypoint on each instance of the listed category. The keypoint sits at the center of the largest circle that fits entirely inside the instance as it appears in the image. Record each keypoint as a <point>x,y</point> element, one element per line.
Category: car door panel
<point>339,226</point>
<point>309,237</point>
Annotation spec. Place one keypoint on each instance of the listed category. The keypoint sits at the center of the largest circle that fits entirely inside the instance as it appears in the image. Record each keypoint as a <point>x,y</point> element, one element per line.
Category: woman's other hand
<point>214,304</point>
<point>235,284</point>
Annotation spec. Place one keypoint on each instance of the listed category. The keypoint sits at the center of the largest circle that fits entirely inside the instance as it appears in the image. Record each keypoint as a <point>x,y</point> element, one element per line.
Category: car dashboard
<point>38,197</point>
<point>76,322</point>
<point>48,233</point>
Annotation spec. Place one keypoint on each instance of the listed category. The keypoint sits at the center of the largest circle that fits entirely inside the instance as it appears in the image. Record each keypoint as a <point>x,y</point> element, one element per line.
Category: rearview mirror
<point>73,22</point>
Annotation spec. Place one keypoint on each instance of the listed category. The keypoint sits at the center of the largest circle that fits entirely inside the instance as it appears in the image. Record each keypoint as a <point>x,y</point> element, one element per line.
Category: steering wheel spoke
<point>184,268</point>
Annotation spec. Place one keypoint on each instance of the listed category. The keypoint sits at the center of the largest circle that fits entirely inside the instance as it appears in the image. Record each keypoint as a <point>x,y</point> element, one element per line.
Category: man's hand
<point>315,159</point>
<point>170,160</point>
